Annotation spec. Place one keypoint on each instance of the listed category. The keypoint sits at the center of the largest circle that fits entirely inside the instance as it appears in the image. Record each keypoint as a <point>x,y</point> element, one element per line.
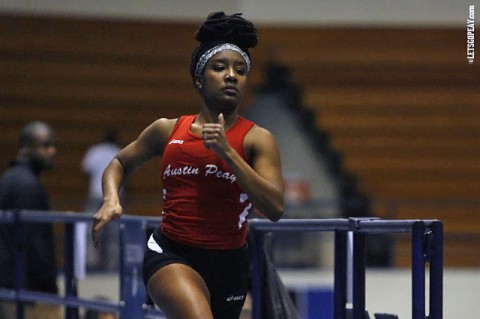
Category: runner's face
<point>225,79</point>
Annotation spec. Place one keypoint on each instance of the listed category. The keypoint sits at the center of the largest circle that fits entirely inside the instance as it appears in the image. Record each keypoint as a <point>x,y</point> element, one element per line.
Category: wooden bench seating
<point>401,105</point>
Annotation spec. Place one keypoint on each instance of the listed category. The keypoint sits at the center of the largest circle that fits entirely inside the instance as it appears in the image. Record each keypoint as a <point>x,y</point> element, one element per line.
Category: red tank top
<point>204,205</point>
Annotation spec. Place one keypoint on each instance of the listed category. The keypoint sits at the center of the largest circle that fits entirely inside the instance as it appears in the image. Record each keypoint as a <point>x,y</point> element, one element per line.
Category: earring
<point>199,86</point>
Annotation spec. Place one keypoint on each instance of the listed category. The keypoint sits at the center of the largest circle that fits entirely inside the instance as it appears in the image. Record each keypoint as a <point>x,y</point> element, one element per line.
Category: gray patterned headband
<point>202,61</point>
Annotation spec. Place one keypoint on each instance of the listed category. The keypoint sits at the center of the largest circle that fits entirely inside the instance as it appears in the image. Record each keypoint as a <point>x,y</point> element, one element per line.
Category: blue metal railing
<point>132,292</point>
<point>427,247</point>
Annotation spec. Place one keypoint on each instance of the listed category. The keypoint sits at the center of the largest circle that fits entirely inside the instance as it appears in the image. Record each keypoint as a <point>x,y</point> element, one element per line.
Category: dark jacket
<point>21,189</point>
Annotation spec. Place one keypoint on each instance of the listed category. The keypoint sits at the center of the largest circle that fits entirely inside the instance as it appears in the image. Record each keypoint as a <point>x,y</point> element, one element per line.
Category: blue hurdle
<point>427,247</point>
<point>426,238</point>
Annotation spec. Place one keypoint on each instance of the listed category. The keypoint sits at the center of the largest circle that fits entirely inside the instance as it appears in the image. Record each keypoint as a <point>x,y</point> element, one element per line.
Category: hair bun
<point>228,28</point>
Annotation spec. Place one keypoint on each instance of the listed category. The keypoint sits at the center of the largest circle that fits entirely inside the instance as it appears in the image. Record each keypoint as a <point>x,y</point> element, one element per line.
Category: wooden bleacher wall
<point>402,106</point>
<point>84,76</point>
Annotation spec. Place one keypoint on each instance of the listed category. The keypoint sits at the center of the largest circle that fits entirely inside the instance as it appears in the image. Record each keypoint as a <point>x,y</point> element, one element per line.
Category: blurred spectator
<point>22,189</point>
<point>93,164</point>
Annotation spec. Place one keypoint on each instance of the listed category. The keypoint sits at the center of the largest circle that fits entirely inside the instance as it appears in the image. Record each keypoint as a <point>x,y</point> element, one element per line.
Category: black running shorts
<point>226,272</point>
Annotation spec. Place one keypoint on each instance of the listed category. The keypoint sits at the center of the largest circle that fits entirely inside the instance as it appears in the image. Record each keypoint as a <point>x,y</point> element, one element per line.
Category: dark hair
<point>221,28</point>
<point>29,133</point>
